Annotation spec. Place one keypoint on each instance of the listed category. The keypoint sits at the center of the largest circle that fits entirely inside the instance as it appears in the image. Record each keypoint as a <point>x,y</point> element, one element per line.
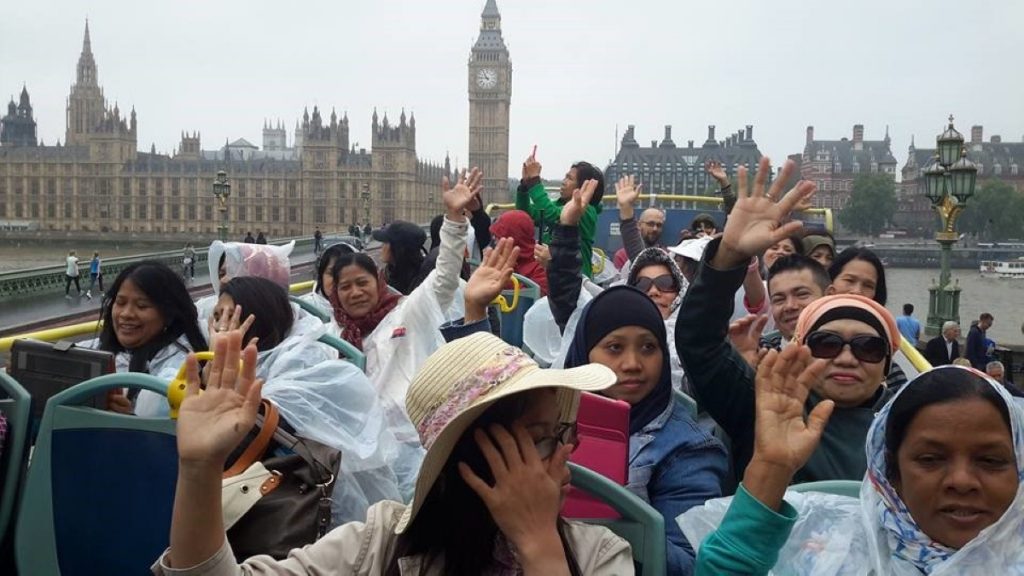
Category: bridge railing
<point>52,278</point>
<point>75,332</point>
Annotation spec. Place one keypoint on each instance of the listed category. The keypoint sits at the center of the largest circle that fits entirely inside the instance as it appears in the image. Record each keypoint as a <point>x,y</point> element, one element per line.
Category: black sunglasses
<point>664,283</point>
<point>872,349</point>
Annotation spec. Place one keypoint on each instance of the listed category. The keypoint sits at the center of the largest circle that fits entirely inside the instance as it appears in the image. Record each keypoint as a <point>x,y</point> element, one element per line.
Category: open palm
<point>493,274</point>
<point>757,220</point>
<point>458,198</point>
<point>573,210</point>
<point>782,437</point>
<point>212,423</point>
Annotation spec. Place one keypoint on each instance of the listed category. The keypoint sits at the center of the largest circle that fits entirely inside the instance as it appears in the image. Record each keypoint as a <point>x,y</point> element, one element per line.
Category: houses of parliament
<point>97,180</point>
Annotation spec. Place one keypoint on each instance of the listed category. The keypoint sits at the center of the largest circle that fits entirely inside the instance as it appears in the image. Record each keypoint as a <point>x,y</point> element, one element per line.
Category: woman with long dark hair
<point>323,276</point>
<point>498,432</point>
<point>151,324</point>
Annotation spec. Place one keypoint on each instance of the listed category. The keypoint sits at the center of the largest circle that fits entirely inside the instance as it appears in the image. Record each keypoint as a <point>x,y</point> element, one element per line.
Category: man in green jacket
<point>533,199</point>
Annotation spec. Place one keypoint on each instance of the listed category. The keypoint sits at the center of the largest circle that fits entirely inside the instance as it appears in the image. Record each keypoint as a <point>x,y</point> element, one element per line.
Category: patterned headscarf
<point>901,540</point>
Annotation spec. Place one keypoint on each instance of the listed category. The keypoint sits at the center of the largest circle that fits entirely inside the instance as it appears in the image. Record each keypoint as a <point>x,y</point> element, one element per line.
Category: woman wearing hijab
<point>518,226</point>
<point>942,494</point>
<point>498,432</point>
<point>673,464</point>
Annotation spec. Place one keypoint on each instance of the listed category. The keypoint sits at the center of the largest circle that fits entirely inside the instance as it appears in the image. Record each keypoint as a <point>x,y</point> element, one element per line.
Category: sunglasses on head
<point>664,283</point>
<point>871,349</point>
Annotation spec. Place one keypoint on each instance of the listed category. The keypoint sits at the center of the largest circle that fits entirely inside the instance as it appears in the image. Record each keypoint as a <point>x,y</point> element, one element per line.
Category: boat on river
<point>999,269</point>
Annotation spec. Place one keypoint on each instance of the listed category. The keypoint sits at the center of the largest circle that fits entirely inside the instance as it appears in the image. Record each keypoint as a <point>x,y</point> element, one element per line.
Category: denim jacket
<point>674,466</point>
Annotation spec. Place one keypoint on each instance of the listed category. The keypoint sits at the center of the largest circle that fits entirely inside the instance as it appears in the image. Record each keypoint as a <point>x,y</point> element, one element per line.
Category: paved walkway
<point>55,309</point>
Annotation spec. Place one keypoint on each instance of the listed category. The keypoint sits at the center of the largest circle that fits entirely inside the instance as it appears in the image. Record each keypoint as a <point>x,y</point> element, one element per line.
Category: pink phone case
<point>603,429</point>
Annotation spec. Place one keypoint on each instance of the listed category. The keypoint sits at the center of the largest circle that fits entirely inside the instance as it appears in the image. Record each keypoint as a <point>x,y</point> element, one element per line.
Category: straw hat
<point>462,379</point>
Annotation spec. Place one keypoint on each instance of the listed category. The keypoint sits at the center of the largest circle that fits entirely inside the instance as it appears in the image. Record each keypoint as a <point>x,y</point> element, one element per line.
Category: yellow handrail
<point>176,389</point>
<point>914,356</point>
<point>503,303</point>
<point>826,213</point>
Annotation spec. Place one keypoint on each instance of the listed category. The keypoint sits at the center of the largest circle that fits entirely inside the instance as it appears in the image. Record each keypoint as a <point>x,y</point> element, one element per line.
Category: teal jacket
<point>748,540</point>
<point>533,199</point>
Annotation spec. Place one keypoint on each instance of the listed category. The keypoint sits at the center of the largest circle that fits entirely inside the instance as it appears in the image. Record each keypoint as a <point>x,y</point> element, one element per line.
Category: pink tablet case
<point>603,429</point>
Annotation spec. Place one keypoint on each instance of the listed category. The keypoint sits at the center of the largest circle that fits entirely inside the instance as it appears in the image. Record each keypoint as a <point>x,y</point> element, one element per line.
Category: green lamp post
<point>222,190</point>
<point>949,183</point>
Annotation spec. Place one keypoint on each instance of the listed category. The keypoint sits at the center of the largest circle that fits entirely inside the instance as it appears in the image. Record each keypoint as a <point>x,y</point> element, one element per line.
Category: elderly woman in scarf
<point>942,494</point>
<point>673,464</point>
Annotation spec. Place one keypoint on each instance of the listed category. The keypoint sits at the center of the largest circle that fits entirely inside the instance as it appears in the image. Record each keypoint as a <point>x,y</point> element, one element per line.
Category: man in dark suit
<point>943,349</point>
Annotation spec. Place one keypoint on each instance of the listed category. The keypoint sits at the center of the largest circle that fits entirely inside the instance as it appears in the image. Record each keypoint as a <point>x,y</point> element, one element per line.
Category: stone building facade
<point>834,164</point>
<point>98,180</point>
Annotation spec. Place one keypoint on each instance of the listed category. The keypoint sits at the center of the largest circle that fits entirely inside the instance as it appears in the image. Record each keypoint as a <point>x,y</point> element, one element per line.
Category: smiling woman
<point>150,322</point>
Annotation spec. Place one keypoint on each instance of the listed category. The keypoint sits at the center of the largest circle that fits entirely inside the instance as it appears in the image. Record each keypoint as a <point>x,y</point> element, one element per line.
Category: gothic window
<point>175,212</point>
<point>67,210</point>
<point>51,187</point>
<point>142,211</point>
<point>35,210</point>
<point>243,213</point>
<point>19,210</point>
<point>275,214</point>
<point>208,212</point>
<point>190,211</point>
<point>34,187</point>
<point>83,210</point>
<point>158,211</point>
<point>142,187</point>
<point>51,210</point>
<point>126,211</point>
<point>175,187</point>
<point>259,212</point>
<point>320,214</point>
<point>293,214</point>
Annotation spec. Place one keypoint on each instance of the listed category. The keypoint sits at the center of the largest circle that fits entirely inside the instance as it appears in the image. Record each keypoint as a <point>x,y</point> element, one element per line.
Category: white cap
<point>692,248</point>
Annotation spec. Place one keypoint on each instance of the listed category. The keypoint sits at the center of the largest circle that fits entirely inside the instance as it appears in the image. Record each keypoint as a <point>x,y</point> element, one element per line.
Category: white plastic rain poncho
<point>164,365</point>
<point>540,332</point>
<point>403,339</point>
<point>263,260</point>
<point>875,535</point>
<point>331,401</point>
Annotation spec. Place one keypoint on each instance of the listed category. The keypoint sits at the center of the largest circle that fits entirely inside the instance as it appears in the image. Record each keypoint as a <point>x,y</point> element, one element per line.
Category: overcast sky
<point>580,68</point>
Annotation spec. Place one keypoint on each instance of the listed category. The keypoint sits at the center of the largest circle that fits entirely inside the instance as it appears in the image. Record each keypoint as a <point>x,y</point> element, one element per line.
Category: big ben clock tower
<point>490,93</point>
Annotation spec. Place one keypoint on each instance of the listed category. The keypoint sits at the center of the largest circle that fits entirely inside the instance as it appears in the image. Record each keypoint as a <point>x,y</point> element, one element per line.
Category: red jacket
<point>518,226</point>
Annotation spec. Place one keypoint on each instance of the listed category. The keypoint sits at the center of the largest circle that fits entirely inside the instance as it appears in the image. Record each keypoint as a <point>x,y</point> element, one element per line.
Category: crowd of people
<point>751,353</point>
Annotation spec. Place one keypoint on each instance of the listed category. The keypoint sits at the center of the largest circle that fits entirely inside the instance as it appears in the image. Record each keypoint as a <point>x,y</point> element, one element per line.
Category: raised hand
<point>526,496</point>
<point>745,336</point>
<point>757,220</point>
<point>490,278</point>
<point>227,319</point>
<point>458,198</point>
<point>212,423</point>
<point>782,438</point>
<point>531,168</point>
<point>716,171</point>
<point>626,194</point>
<point>573,210</point>
<point>542,254</point>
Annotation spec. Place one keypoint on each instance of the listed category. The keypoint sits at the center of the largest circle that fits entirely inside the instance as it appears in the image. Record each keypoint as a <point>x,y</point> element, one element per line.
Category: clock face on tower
<point>487,78</point>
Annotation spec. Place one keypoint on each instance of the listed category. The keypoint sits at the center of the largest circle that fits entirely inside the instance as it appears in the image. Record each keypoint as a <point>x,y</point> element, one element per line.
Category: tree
<point>994,212</point>
<point>872,204</point>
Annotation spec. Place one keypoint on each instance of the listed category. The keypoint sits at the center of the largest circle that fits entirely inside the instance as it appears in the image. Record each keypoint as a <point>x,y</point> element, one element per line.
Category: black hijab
<point>610,310</point>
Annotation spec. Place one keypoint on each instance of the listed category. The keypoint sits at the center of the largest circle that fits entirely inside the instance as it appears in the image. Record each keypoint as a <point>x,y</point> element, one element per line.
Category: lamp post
<point>366,202</point>
<point>949,183</point>
<point>222,190</point>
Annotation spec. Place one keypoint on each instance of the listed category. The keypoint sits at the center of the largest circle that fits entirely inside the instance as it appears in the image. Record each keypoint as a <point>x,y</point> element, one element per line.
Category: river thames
<point>1003,298</point>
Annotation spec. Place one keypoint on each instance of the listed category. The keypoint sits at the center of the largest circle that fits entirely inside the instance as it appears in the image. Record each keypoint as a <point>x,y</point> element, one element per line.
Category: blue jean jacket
<point>674,466</point>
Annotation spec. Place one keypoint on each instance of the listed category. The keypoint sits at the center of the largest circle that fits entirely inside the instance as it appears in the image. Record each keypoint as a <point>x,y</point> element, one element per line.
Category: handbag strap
<point>259,445</point>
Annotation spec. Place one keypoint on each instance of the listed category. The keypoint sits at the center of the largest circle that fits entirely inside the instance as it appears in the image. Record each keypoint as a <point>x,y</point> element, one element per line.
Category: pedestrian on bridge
<point>95,274</point>
<point>71,275</point>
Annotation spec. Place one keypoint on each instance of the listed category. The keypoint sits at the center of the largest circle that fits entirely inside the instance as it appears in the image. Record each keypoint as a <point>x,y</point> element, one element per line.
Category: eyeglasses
<point>872,349</point>
<point>664,283</point>
<point>564,434</point>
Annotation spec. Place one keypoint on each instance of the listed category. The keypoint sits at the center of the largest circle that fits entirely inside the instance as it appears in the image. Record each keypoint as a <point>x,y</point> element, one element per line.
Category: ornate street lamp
<point>222,191</point>
<point>366,201</point>
<point>949,183</point>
